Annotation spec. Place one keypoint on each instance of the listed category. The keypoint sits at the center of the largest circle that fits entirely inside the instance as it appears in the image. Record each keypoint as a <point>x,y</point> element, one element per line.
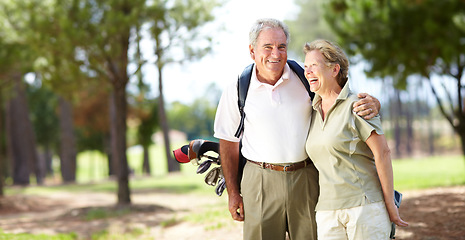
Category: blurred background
<point>94,90</point>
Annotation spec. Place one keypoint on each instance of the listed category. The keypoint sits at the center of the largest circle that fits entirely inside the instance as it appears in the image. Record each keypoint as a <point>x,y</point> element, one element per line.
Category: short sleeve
<point>227,117</point>
<point>365,127</point>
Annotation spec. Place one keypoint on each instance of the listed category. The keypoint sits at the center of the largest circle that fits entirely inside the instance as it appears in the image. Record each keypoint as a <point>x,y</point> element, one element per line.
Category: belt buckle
<point>285,168</point>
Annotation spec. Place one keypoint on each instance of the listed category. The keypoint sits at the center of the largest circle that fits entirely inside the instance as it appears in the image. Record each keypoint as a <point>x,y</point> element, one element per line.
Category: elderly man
<point>279,187</point>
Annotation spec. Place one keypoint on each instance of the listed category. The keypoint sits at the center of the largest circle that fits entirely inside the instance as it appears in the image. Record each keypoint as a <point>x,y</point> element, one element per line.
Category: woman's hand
<point>394,214</point>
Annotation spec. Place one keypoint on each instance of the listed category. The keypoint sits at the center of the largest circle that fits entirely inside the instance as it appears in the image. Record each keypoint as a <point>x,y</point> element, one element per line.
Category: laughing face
<point>270,54</point>
<point>320,76</point>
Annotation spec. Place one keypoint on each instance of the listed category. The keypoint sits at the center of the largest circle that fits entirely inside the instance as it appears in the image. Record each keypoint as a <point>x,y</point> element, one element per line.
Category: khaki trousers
<point>367,222</point>
<point>279,202</point>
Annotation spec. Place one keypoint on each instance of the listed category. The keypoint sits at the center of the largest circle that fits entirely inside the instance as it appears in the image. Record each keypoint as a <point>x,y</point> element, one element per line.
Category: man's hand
<point>367,107</point>
<point>236,207</point>
<point>229,152</point>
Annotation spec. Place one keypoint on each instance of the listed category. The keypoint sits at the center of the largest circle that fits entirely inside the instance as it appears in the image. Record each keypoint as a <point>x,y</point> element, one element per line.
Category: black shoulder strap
<point>243,83</point>
<point>300,72</point>
<point>242,88</point>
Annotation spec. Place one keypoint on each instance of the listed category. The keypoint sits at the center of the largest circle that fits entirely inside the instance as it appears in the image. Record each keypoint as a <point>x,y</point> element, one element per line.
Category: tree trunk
<point>2,167</point>
<point>409,126</point>
<point>430,126</point>
<point>22,145</point>
<point>146,161</point>
<point>48,158</point>
<point>107,143</point>
<point>2,132</point>
<point>173,166</point>
<point>68,152</point>
<point>118,139</point>
<point>396,115</point>
<point>462,141</point>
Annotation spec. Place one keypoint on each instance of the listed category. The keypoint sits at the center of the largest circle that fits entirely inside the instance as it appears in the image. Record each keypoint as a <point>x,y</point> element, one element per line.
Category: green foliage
<point>176,26</point>
<point>149,122</point>
<point>400,38</point>
<point>169,222</point>
<point>106,235</point>
<point>43,105</point>
<point>16,54</point>
<point>308,26</point>
<point>196,120</point>
<point>215,217</point>
<point>27,236</point>
<point>102,213</point>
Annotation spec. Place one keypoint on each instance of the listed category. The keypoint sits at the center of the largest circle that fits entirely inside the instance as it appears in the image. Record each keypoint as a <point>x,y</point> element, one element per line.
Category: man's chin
<point>275,67</point>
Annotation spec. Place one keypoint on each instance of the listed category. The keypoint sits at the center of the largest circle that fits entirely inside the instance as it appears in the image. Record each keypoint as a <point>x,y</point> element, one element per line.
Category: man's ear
<point>252,52</point>
<point>336,69</point>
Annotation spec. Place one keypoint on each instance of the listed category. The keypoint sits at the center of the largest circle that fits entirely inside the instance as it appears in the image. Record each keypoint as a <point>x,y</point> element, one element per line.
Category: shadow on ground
<point>436,214</point>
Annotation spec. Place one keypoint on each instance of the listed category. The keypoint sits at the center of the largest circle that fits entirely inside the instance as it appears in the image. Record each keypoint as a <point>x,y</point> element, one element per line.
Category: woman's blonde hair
<point>333,54</point>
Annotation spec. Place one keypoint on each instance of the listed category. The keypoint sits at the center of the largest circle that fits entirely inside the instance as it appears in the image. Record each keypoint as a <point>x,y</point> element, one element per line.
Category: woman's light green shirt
<point>347,171</point>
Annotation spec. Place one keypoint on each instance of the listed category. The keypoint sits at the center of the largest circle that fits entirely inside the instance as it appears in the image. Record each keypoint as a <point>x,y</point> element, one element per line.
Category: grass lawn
<point>429,172</point>
<point>92,176</point>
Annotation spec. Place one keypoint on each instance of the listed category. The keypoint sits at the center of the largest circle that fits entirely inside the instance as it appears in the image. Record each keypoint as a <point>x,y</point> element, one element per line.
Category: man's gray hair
<point>267,23</point>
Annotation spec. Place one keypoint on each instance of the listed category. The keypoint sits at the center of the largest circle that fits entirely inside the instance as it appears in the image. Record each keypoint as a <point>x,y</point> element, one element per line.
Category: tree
<point>94,37</point>
<point>147,114</point>
<point>308,26</point>
<point>21,138</point>
<point>84,40</point>
<point>404,38</point>
<point>144,109</point>
<point>33,27</point>
<point>43,105</point>
<point>195,119</point>
<point>109,24</point>
<point>16,60</point>
<point>3,165</point>
<point>178,37</point>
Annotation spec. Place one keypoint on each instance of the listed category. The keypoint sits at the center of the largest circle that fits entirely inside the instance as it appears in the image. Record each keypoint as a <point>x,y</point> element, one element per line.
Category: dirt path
<point>433,214</point>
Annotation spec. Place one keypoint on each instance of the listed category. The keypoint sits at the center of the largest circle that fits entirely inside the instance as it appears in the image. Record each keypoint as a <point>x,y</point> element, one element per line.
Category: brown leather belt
<point>286,168</point>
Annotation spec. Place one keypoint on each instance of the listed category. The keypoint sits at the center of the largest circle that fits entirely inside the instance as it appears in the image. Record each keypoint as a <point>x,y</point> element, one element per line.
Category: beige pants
<point>365,222</point>
<point>279,202</point>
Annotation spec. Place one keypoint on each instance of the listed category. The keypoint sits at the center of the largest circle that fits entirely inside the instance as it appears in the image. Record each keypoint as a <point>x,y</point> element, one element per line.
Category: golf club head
<point>212,177</point>
<point>204,166</point>
<point>221,187</point>
<point>181,154</point>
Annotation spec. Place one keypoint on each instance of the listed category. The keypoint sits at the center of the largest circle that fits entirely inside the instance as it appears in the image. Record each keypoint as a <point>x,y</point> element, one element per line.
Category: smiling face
<point>270,54</point>
<point>320,76</point>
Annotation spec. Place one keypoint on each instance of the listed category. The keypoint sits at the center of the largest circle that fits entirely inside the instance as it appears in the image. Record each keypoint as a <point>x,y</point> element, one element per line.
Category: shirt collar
<point>254,83</point>
<point>343,95</point>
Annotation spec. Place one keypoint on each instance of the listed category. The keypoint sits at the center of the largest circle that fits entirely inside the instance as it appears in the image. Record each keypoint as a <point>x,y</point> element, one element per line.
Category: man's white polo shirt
<point>276,122</point>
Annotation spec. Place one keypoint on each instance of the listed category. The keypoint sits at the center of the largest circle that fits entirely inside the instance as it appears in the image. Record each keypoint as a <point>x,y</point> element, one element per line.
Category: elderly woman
<point>351,154</point>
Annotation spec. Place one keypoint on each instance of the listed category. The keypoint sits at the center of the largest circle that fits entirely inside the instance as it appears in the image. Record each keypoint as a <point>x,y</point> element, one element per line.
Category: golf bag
<point>199,153</point>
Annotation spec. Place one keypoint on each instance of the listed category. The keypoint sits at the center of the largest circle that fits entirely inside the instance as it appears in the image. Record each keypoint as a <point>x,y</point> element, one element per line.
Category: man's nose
<point>275,52</point>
